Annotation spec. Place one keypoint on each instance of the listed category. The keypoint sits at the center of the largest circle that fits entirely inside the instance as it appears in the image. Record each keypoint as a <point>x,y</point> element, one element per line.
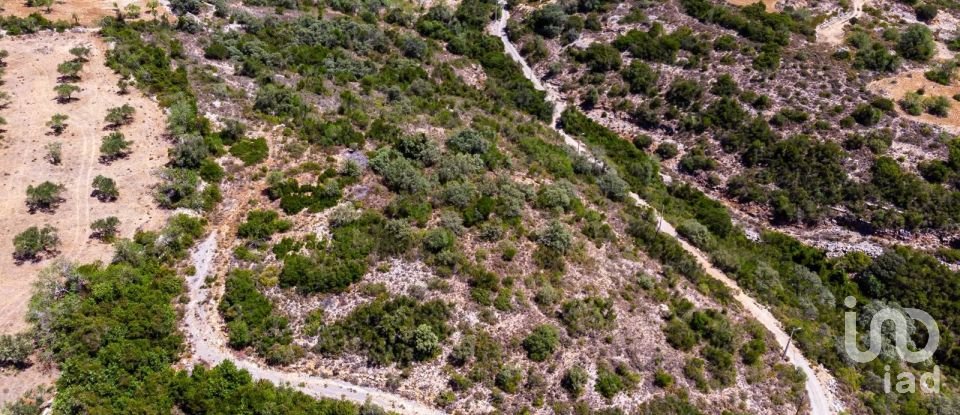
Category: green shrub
<point>45,196</point>
<point>541,343</point>
<point>30,244</point>
<point>261,224</point>
<point>250,151</point>
<point>575,381</point>
<point>399,330</point>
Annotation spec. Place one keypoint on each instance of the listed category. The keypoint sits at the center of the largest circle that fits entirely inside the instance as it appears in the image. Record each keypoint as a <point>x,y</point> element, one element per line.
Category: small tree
<point>105,189</point>
<point>46,196</point>
<point>105,229</point>
<point>121,115</point>
<point>70,70</point>
<point>114,146</point>
<point>153,5</point>
<point>58,123</point>
<point>5,100</point>
<point>65,92</point>
<point>80,53</point>
<point>54,152</point>
<point>132,10</point>
<point>31,243</point>
<point>3,57</point>
<point>122,86</point>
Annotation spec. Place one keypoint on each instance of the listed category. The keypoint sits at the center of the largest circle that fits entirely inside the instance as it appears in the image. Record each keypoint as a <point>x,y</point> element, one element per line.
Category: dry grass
<point>30,78</point>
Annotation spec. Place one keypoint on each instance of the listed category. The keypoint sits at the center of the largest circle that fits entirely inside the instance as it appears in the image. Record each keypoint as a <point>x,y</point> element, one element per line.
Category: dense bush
<point>398,330</point>
<point>261,224</point>
<point>541,343</point>
<point>588,315</point>
<point>916,43</point>
<point>250,316</point>
<point>250,151</point>
<point>45,196</point>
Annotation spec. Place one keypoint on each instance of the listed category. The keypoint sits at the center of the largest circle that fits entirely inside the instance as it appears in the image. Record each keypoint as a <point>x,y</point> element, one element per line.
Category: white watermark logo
<point>880,338</point>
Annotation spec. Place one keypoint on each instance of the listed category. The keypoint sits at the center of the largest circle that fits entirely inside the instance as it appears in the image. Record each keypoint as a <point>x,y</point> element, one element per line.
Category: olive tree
<point>105,189</point>
<point>70,70</point>
<point>105,229</point>
<point>54,152</point>
<point>65,92</point>
<point>58,123</point>
<point>121,115</point>
<point>45,196</point>
<point>30,244</point>
<point>114,146</point>
<point>80,53</point>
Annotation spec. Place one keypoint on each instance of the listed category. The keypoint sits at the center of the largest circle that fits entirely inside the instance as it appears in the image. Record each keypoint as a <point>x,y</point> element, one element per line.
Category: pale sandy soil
<point>86,12</point>
<point>14,383</point>
<point>30,78</point>
<point>896,87</point>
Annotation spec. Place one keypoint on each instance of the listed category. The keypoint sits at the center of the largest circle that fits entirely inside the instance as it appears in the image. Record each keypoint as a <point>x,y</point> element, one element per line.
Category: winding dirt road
<point>822,402</point>
<point>202,325</point>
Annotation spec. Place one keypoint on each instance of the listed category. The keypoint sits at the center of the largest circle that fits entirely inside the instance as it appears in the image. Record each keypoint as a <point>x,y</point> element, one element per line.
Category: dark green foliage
<point>925,12</point>
<point>725,86</point>
<point>667,150</point>
<point>261,225</point>
<point>114,146</point>
<point>398,330</point>
<point>641,78</point>
<point>662,379</point>
<point>651,45</point>
<point>464,31</point>
<point>45,196</point>
<point>189,152</point>
<point>105,189</point>
<point>683,93</point>
<point>250,151</point>
<point>250,316</point>
<point>751,22</point>
<point>279,101</point>
<point>916,43</point>
<point>399,174</point>
<point>338,132</point>
<point>30,244</point>
<point>470,142</point>
<point>295,197</point>
<point>226,390</point>
<point>105,229</point>
<point>541,343</point>
<point>575,381</point>
<point>875,56</point>
<point>15,349</point>
<point>867,115</point>
<point>333,265</point>
<point>600,57</point>
<point>588,315</point>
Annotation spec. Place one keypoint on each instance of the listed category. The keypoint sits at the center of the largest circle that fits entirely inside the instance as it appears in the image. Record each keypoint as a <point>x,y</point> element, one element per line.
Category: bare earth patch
<point>30,78</point>
<point>898,86</point>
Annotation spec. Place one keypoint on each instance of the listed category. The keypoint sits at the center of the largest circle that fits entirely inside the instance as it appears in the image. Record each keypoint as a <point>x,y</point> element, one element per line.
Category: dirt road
<point>208,345</point>
<point>820,399</point>
<point>831,30</point>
